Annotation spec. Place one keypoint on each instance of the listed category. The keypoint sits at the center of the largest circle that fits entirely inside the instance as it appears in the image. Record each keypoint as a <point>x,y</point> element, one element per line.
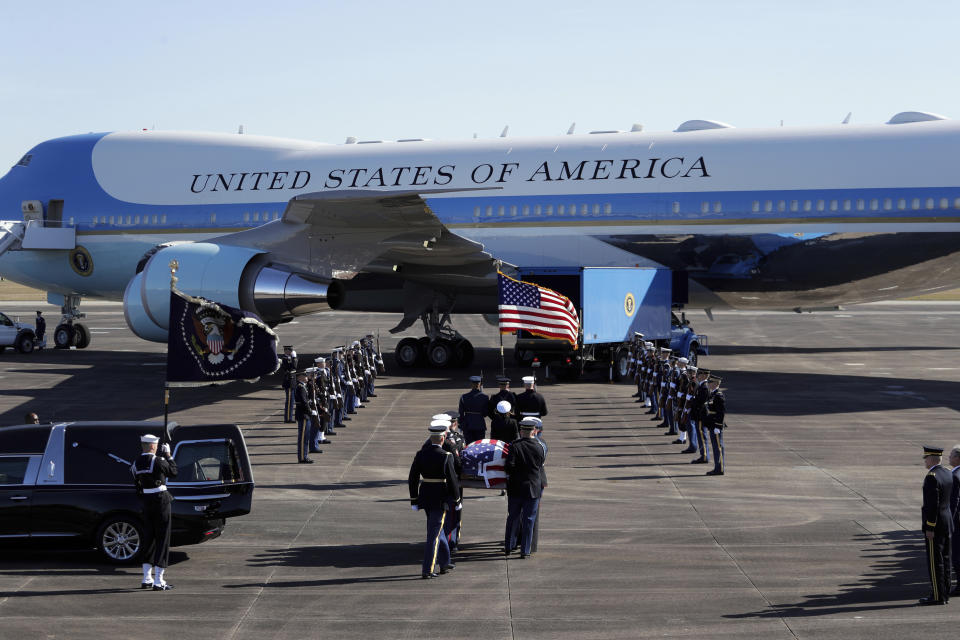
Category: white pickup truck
<point>18,335</point>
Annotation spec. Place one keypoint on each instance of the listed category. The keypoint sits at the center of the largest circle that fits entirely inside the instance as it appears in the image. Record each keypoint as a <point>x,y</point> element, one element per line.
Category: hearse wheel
<point>121,539</point>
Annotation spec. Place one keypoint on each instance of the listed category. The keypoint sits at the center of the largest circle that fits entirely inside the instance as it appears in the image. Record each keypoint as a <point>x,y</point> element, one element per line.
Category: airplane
<point>786,218</point>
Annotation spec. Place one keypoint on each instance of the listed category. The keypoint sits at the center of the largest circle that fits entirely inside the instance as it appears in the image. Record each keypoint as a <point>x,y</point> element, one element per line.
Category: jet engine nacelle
<point>236,276</point>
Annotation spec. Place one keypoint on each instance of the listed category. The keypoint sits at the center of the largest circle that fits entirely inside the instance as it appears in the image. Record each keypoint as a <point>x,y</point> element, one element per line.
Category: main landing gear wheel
<point>63,336</point>
<point>407,353</point>
<point>81,335</point>
<point>440,354</point>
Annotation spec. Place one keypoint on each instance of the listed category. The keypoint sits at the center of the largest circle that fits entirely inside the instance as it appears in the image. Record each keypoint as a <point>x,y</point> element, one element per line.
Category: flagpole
<point>174,266</point>
<point>503,366</point>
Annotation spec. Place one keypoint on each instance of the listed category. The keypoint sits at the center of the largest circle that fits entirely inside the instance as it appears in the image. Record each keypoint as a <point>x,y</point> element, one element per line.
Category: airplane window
<point>128,219</point>
<point>537,209</point>
<point>476,211</point>
<point>782,205</point>
<point>929,203</point>
<point>717,208</point>
<point>902,204</point>
<point>154,218</point>
<point>583,210</point>
<point>676,207</point>
<point>768,206</point>
<point>794,205</point>
<point>608,209</point>
<point>246,216</point>
<point>111,219</point>
<point>944,203</point>
<point>821,205</point>
<point>596,209</point>
<point>94,220</point>
<point>500,211</point>
<point>163,218</point>
<point>213,216</point>
<point>807,205</point>
<point>526,209</point>
<point>136,220</point>
<point>548,210</point>
<point>276,215</point>
<point>561,209</point>
<point>834,205</point>
<point>705,207</point>
<point>887,204</point>
<point>861,205</point>
<point>915,204</point>
<point>874,204</point>
<point>847,205</point>
<point>489,211</point>
<point>756,206</point>
<point>513,210</point>
<point>256,216</point>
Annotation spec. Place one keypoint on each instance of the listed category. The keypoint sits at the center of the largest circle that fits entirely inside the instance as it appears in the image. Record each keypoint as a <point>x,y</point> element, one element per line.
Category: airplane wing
<point>340,234</point>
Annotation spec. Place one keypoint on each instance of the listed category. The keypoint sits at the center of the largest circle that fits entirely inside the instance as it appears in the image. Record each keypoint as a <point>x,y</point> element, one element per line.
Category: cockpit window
<point>25,160</point>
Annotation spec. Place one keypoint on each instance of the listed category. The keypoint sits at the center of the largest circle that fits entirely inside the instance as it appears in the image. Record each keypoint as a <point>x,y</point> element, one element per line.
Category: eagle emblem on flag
<point>213,331</point>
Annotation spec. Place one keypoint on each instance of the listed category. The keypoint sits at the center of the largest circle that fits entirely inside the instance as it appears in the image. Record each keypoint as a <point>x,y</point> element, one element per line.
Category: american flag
<point>540,311</point>
<point>484,459</point>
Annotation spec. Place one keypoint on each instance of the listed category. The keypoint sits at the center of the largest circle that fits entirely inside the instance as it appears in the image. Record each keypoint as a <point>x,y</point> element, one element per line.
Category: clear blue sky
<point>324,70</point>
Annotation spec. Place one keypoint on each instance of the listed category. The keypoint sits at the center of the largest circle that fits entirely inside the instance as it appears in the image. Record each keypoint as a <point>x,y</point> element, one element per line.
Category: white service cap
<point>528,379</point>
<point>149,439</point>
<point>439,426</point>
<point>503,406</point>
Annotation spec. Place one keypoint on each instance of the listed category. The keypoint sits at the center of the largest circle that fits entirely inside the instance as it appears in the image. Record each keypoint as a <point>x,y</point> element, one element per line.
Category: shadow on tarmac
<point>897,573</point>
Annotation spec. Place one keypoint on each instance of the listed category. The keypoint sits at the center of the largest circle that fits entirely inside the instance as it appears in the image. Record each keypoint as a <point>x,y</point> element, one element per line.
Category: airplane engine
<point>236,276</point>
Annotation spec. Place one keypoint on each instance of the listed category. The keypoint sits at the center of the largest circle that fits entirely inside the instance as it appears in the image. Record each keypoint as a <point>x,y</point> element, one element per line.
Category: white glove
<point>716,431</point>
<point>458,507</point>
<point>415,507</point>
<point>165,449</point>
<point>314,413</point>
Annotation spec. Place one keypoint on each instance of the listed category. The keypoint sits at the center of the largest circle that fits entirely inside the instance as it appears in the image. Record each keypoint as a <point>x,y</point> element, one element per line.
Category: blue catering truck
<point>614,303</point>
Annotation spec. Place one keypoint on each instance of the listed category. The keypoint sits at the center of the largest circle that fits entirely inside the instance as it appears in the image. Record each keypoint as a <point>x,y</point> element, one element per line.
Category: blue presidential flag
<point>210,343</point>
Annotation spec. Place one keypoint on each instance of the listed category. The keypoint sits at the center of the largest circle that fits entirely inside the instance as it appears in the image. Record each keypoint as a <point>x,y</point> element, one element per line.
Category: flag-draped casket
<point>483,462</point>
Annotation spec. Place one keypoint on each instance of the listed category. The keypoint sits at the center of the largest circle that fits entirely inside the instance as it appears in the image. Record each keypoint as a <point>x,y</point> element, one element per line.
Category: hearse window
<point>94,457</point>
<point>207,461</point>
<point>13,469</point>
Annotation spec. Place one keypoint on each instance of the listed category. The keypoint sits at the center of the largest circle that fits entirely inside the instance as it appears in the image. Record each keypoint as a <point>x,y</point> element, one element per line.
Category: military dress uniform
<point>697,411</point>
<point>288,373</point>
<point>525,480</point>
<point>474,405</point>
<point>530,404</point>
<point>433,484</point>
<point>714,422</point>
<point>938,521</point>
<point>150,473</point>
<point>302,411</point>
<point>504,394</point>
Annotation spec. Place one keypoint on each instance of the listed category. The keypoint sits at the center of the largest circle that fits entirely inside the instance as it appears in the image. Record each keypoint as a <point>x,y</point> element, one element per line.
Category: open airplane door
<point>214,477</point>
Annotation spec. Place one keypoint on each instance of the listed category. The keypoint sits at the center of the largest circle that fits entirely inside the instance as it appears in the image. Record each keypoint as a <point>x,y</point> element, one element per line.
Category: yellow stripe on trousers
<point>933,573</point>
<point>436,543</point>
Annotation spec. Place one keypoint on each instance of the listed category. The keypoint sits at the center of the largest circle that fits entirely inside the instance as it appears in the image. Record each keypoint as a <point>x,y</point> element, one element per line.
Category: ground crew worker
<point>473,408</point>
<point>433,483</point>
<point>937,524</point>
<point>150,473</point>
<point>40,327</point>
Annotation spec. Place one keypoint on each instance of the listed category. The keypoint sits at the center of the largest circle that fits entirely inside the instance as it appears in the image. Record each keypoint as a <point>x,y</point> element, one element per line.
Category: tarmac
<point>812,533</point>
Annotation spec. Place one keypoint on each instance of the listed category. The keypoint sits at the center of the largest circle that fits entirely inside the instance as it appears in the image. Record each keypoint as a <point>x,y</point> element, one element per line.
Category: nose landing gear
<point>70,333</point>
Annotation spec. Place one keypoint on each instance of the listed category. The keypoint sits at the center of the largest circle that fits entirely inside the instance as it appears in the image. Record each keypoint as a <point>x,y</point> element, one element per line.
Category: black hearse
<point>70,484</point>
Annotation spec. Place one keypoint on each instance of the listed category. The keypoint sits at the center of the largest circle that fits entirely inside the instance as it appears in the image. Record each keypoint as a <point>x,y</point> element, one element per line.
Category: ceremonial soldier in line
<point>336,396</point>
<point>473,409</point>
<point>687,425</point>
<point>329,395</point>
<point>525,474</point>
<point>361,370</point>
<point>346,384</point>
<point>635,362</point>
<point>954,460</point>
<point>150,473</point>
<point>288,371</point>
<point>373,362</point>
<point>504,394</point>
<point>319,417</point>
<point>698,407</point>
<point>663,376</point>
<point>714,423</point>
<point>678,393</point>
<point>650,378</point>
<point>303,409</point>
<point>937,525</point>
<point>433,483</point>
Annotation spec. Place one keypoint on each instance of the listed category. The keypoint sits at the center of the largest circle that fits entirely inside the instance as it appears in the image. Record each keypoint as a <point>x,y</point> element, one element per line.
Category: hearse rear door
<point>214,478</point>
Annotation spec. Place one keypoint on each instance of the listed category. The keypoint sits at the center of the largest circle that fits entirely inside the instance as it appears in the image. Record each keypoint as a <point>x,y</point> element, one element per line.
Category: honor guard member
<point>319,419</point>
<point>503,394</point>
<point>525,475</point>
<point>530,403</point>
<point>453,431</point>
<point>937,524</point>
<point>954,460</point>
<point>714,423</point>
<point>303,409</point>
<point>677,388</point>
<point>451,524</point>
<point>327,396</point>
<point>433,484</point>
<point>150,473</point>
<point>503,426</point>
<point>288,370</point>
<point>473,409</point>
<point>698,408</point>
<point>371,355</point>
